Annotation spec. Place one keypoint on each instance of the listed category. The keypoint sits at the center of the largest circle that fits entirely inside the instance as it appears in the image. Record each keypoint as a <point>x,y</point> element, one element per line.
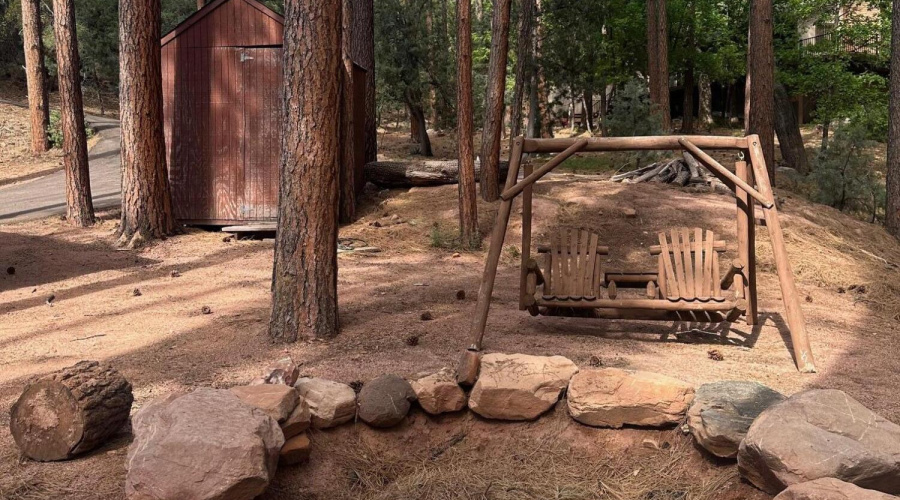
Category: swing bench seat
<point>686,280</point>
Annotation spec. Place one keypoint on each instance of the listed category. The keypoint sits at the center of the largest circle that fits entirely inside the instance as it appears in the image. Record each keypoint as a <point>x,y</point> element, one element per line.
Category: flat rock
<point>519,386</point>
<point>295,450</point>
<point>610,397</point>
<point>722,412</point>
<point>829,488</point>
<point>207,444</point>
<point>439,392</point>
<point>298,421</point>
<point>284,371</point>
<point>278,401</point>
<point>330,403</point>
<point>821,433</point>
<point>385,401</point>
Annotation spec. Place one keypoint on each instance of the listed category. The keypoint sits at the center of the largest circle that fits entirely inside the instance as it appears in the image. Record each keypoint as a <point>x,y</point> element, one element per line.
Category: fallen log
<point>71,411</point>
<point>418,172</point>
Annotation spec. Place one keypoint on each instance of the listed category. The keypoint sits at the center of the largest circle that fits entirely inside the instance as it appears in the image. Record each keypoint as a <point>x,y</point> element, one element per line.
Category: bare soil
<point>162,342</point>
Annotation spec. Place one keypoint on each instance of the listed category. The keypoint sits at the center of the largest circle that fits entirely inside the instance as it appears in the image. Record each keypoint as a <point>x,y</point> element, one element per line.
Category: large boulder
<point>722,412</point>
<point>439,392</point>
<point>830,488</point>
<point>519,386</point>
<point>610,397</point>
<point>207,444</point>
<point>821,433</point>
<point>330,403</point>
<point>385,401</point>
<point>277,401</point>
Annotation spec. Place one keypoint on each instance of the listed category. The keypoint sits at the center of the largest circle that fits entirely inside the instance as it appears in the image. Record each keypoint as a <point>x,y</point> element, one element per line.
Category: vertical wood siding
<point>222,106</point>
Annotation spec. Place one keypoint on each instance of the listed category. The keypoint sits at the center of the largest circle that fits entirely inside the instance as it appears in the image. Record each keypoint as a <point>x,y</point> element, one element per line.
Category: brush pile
<point>685,171</point>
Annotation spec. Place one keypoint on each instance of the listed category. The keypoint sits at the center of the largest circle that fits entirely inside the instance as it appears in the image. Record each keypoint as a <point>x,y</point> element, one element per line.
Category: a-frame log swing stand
<point>577,280</point>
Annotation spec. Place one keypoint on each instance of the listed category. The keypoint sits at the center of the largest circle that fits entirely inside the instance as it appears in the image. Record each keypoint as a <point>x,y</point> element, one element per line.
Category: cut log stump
<point>418,172</point>
<point>70,412</point>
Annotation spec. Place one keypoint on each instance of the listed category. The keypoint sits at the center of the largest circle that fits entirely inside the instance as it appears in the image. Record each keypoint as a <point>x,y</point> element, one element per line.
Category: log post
<point>793,312</point>
<point>71,411</point>
<point>746,236</point>
<point>493,258</point>
<point>524,296</point>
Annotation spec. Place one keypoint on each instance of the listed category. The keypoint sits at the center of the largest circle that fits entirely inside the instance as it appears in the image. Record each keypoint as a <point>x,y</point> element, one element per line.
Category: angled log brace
<point>710,162</point>
<point>512,192</point>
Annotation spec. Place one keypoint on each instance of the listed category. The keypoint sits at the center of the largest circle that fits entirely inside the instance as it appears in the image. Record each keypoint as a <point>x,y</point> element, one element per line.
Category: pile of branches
<point>684,171</point>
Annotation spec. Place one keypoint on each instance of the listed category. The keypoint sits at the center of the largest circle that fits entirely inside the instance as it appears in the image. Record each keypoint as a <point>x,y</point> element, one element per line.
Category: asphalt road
<point>46,196</point>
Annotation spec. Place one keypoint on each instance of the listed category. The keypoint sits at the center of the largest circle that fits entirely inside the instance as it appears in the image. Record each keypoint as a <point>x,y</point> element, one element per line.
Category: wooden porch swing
<point>686,284</point>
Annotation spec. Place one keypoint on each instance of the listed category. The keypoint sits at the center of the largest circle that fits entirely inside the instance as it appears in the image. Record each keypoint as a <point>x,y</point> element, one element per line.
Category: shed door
<point>262,82</point>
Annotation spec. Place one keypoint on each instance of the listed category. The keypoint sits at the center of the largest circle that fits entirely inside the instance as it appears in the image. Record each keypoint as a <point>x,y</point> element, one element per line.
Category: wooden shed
<point>222,80</point>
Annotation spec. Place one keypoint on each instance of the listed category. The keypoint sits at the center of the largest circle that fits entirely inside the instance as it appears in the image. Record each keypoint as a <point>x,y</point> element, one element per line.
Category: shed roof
<point>216,6</point>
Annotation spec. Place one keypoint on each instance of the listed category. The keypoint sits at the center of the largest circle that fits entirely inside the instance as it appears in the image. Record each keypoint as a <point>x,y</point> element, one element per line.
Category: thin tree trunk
<point>534,109</point>
<point>587,102</point>
<point>824,146</point>
<point>652,52</point>
<point>304,298</point>
<point>364,55</point>
<point>146,199</point>
<point>662,40</point>
<point>759,113</point>
<point>705,115</point>
<point>79,207</point>
<point>604,106</point>
<point>523,68</point>
<point>418,127</point>
<point>493,102</point>
<point>347,184</point>
<point>892,201</point>
<point>687,118</point>
<point>543,120</point>
<point>789,138</point>
<point>468,205</point>
<point>32,30</point>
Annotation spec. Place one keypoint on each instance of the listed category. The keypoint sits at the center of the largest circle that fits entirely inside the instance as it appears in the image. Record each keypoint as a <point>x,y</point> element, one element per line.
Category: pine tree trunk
<point>687,116</point>
<point>418,127</point>
<point>32,29</point>
<point>493,102</point>
<point>789,138</point>
<point>347,184</point>
<point>543,122</point>
<point>146,199</point>
<point>652,52</point>
<point>304,288</point>
<point>892,202</point>
<point>468,205</point>
<point>759,112</point>
<point>825,126</point>
<point>523,68</point>
<point>662,61</point>
<point>587,102</point>
<point>705,114</point>
<point>364,50</point>
<point>79,206</point>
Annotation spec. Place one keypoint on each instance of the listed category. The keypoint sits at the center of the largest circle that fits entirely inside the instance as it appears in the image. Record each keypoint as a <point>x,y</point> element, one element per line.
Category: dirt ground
<point>162,342</point>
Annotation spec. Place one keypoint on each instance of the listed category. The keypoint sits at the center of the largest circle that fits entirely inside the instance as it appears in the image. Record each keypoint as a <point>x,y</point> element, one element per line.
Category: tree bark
<point>304,288</point>
<point>523,68</point>
<point>71,411</point>
<point>658,59</point>
<point>146,198</point>
<point>347,184</point>
<point>687,119</point>
<point>759,113</point>
<point>825,126</point>
<point>789,138</point>
<point>493,101</point>
<point>705,115</point>
<point>892,207</point>
<point>364,50</point>
<point>32,31</point>
<point>79,206</point>
<point>422,173</point>
<point>468,204</point>
<point>418,127</point>
<point>587,103</point>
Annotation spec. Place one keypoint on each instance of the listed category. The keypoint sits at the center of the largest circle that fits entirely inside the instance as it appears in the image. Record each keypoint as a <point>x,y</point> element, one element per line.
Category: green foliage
<point>845,176</point>
<point>54,130</point>
<point>631,113</point>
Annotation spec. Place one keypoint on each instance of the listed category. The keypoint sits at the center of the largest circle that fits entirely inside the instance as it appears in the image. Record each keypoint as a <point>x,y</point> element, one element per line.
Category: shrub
<point>54,130</point>
<point>632,114</point>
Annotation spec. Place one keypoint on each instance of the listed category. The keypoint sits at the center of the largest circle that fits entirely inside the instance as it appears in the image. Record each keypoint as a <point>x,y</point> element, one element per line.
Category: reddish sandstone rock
<point>519,386</point>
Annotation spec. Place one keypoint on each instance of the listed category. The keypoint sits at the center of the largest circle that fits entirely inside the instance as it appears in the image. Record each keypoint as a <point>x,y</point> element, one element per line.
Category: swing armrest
<point>732,276</point>
<point>533,268</point>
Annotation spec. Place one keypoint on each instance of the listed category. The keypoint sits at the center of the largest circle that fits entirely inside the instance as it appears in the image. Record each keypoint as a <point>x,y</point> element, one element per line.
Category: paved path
<point>46,196</point>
